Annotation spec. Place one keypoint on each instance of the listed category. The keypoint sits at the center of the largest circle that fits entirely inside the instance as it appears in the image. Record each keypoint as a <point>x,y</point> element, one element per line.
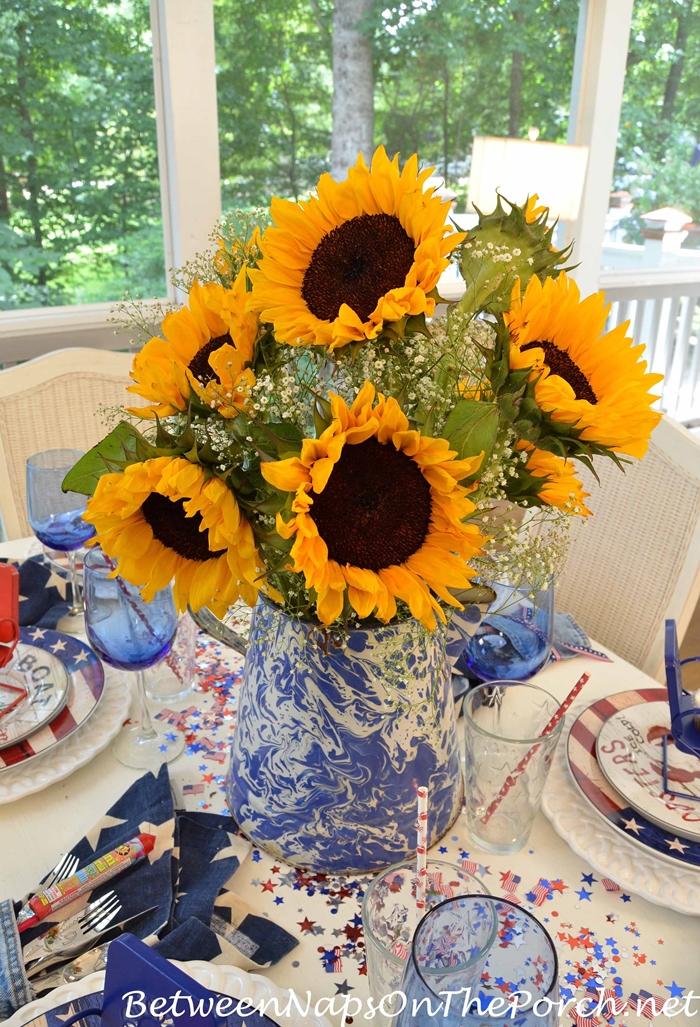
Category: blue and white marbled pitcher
<point>330,747</point>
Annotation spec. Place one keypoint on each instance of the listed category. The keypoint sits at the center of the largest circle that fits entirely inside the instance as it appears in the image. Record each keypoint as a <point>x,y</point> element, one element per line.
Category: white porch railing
<point>662,308</point>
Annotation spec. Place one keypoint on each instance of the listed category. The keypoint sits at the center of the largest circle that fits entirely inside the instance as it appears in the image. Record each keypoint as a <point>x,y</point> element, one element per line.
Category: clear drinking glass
<point>172,679</point>
<point>514,639</point>
<point>56,517</point>
<point>506,761</point>
<point>129,633</point>
<point>489,954</point>
<point>389,919</point>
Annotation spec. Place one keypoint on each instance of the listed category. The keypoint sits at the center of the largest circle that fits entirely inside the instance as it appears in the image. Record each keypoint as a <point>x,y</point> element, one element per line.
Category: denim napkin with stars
<point>186,884</point>
<point>45,593</point>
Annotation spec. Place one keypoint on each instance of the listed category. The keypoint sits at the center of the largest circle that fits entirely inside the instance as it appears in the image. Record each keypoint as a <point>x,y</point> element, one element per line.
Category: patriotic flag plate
<point>586,772</point>
<point>86,684</point>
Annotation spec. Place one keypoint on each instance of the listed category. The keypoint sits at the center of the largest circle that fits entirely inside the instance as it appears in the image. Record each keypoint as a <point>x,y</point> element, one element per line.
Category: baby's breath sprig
<point>139,319</point>
<point>525,549</point>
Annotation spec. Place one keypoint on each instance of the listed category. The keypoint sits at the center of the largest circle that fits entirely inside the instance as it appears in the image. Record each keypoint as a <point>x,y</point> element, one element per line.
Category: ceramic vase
<point>334,737</point>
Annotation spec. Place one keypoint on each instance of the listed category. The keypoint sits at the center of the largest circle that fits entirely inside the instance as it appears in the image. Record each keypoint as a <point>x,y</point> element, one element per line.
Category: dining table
<point>606,935</point>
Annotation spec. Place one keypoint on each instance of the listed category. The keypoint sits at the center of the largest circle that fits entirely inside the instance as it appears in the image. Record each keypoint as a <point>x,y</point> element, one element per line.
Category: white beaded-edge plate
<point>606,849</point>
<point>77,749</point>
<point>227,980</point>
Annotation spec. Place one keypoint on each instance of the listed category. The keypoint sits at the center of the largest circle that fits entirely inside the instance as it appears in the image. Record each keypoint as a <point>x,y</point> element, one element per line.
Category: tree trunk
<point>446,121</point>
<point>353,87</point>
<point>676,70</point>
<point>4,190</point>
<point>515,98</point>
<point>33,184</point>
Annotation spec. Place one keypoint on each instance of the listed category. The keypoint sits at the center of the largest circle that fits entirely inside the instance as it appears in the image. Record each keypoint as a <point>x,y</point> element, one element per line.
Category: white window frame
<point>184,69</point>
<point>600,62</point>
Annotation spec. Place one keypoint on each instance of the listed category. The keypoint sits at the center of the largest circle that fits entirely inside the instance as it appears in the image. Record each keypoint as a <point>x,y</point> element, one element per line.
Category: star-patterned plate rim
<point>77,750</point>
<point>592,837</point>
<point>221,978</point>
<point>62,693</point>
<point>590,781</point>
<point>86,680</point>
<point>650,806</point>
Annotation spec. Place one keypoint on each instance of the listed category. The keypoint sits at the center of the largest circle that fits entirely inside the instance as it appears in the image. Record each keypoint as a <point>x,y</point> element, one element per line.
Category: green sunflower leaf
<point>499,375</point>
<point>276,439</point>
<point>472,428</point>
<point>530,410</point>
<point>123,446</point>
<point>416,325</point>
<point>509,407</point>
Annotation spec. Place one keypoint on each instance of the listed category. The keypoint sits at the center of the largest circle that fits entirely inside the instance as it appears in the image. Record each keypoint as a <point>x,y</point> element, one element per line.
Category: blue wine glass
<point>514,639</point>
<point>129,633</point>
<point>56,517</point>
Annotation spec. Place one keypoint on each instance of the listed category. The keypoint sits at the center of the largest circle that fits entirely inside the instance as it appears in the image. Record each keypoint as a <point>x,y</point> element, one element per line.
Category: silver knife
<point>87,963</point>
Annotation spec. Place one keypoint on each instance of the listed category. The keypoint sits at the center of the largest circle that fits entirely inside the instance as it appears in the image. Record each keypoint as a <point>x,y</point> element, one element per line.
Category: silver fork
<point>64,869</point>
<point>86,962</point>
<point>73,934</point>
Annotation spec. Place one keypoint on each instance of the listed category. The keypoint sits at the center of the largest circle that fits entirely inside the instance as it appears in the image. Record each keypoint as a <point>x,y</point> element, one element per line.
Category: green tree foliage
<point>274,91</point>
<point>660,122</point>
<point>444,71</point>
<point>79,194</point>
<point>448,70</point>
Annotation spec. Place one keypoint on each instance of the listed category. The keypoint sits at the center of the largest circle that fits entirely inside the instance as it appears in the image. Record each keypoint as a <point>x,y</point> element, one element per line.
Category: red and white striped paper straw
<point>512,778</point>
<point>421,850</point>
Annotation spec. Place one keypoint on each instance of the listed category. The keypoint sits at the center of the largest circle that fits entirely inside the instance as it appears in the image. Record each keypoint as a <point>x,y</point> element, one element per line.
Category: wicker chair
<point>636,561</point>
<point>53,402</point>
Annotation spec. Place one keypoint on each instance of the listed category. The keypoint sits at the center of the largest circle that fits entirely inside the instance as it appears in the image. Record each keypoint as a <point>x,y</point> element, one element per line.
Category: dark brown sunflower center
<point>375,510</point>
<point>561,363</point>
<point>357,263</point>
<point>176,531</point>
<point>199,364</point>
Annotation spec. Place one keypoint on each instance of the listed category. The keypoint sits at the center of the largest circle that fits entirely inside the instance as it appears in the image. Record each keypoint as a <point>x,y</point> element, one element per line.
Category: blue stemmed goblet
<point>514,639</point>
<point>56,517</point>
<point>129,633</point>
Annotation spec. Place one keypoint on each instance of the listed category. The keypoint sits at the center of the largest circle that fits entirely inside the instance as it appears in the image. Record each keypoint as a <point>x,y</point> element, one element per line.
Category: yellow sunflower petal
<point>162,519</point>
<point>285,475</point>
<point>387,514</point>
<point>583,375</point>
<point>381,210</point>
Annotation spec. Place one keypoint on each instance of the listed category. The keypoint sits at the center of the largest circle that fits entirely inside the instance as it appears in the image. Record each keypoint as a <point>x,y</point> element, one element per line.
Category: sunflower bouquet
<point>320,427</point>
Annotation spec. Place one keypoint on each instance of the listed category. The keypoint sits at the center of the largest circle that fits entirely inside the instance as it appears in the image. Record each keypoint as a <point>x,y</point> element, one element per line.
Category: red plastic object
<point>9,611</point>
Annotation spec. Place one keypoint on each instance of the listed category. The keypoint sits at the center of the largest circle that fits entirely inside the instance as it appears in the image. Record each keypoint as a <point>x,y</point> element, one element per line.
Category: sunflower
<point>163,519</point>
<point>583,377</point>
<point>205,350</point>
<point>377,513</point>
<point>560,486</point>
<point>366,251</point>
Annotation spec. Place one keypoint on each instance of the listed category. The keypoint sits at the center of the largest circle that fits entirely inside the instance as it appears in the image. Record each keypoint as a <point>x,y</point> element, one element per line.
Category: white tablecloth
<point>613,937</point>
